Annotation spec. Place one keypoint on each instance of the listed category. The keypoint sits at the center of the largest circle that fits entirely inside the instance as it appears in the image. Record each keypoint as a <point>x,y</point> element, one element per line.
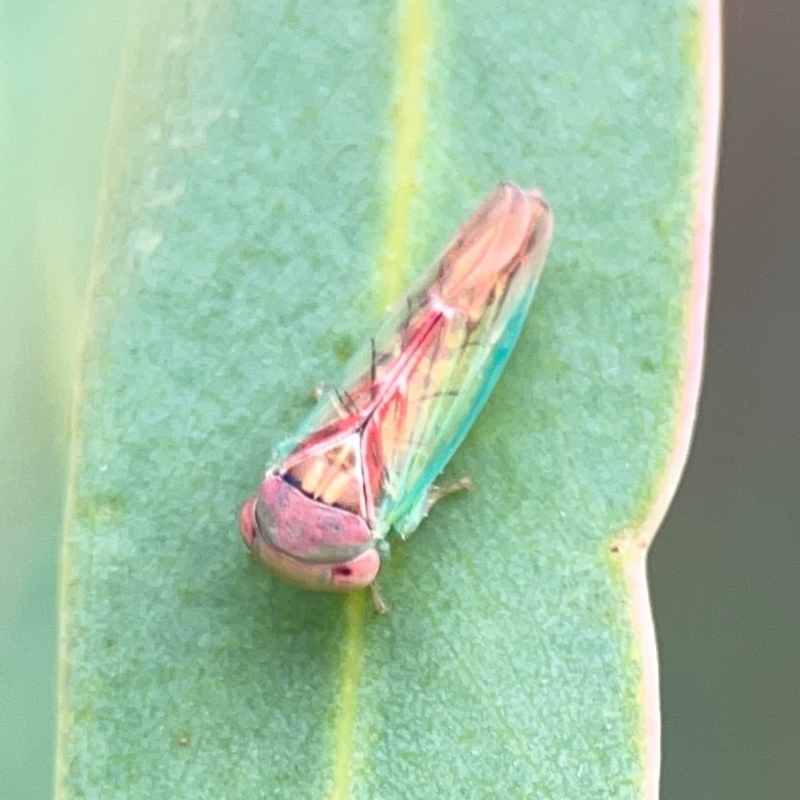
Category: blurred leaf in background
<point>58,64</point>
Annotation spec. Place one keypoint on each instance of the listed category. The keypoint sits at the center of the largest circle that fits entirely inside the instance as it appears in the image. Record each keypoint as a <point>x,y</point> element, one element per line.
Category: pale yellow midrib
<point>344,725</point>
<point>408,122</point>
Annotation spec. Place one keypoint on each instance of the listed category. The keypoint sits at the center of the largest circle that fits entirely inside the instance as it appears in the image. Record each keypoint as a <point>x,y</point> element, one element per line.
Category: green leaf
<point>276,173</point>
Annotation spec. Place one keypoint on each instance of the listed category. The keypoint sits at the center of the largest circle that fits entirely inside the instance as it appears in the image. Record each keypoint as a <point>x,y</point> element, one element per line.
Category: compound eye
<point>247,523</point>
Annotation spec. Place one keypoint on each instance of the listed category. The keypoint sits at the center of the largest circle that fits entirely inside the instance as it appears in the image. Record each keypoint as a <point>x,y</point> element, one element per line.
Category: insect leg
<point>378,603</point>
<point>436,493</point>
<point>409,522</point>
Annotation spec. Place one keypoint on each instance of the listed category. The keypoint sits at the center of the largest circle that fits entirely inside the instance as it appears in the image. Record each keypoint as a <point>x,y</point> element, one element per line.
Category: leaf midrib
<point>407,120</point>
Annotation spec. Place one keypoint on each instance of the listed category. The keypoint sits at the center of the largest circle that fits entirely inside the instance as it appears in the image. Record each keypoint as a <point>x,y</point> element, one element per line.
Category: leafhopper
<point>365,460</point>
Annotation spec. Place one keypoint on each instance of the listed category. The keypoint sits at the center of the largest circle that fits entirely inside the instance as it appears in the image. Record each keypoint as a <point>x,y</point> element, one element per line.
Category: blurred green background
<point>726,565</point>
<point>58,62</point>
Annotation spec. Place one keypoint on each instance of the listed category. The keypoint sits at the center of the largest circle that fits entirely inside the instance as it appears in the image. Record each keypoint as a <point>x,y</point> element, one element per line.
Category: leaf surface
<point>277,173</point>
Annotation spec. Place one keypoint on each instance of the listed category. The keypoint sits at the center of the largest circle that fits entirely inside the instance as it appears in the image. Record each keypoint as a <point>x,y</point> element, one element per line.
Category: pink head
<point>308,542</point>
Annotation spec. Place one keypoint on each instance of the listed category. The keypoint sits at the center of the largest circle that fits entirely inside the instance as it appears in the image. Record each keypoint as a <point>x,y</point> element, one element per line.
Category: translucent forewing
<point>411,394</point>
